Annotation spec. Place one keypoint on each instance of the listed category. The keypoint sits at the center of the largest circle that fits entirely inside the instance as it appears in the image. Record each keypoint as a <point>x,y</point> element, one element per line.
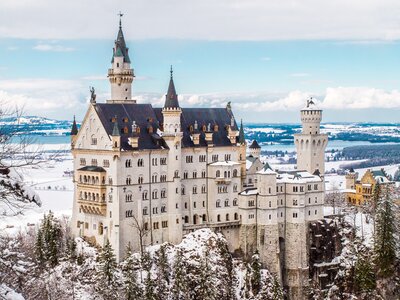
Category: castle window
<point>309,212</point>
<point>316,200</point>
<point>218,173</point>
<point>128,163</point>
<point>128,213</point>
<point>218,203</point>
<point>235,188</point>
<point>269,190</point>
<point>315,187</point>
<point>202,158</point>
<point>281,188</point>
<point>154,178</point>
<point>117,65</point>
<point>194,174</point>
<point>315,211</point>
<point>269,217</point>
<point>294,202</point>
<point>235,202</point>
<point>269,204</point>
<point>163,161</point>
<point>309,187</point>
<point>154,194</point>
<point>189,159</point>
<point>163,193</point>
<point>94,162</point>
<point>195,190</point>
<point>185,175</point>
<point>140,180</point>
<point>203,189</point>
<point>227,217</point>
<point>94,140</point>
<point>194,204</point>
<point>251,203</point>
<point>164,224</point>
<point>186,219</point>
<point>106,163</point>
<point>83,162</point>
<point>215,157</point>
<point>302,189</point>
<point>294,215</point>
<point>155,225</point>
<point>227,157</point>
<point>128,180</point>
<point>183,190</point>
<point>140,162</point>
<point>163,178</point>
<point>218,218</point>
<point>309,200</point>
<point>144,195</point>
<point>155,210</point>
<point>146,226</point>
<point>176,174</point>
<point>226,203</point>
<point>235,173</point>
<point>154,161</point>
<point>128,197</point>
<point>235,216</point>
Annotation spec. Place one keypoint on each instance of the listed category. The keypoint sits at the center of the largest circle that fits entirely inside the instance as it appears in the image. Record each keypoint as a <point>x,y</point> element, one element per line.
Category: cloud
<point>299,75</point>
<point>253,20</point>
<point>55,48</point>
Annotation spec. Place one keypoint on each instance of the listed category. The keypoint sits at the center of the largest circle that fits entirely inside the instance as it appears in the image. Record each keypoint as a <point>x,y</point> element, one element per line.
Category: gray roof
<point>145,116</point>
<point>171,99</point>
<point>74,129</point>
<point>92,169</point>
<point>255,145</point>
<point>120,48</point>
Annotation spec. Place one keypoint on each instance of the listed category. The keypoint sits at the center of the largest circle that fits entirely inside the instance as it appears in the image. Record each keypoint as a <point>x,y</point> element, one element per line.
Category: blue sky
<point>354,76</point>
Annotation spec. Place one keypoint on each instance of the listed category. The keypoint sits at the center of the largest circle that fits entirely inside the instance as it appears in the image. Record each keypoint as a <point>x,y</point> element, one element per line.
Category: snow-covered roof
<point>251,191</point>
<point>225,163</point>
<point>311,105</point>
<point>298,177</point>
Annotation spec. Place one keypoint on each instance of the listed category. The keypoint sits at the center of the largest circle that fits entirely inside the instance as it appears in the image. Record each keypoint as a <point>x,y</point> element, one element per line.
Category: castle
<point>146,175</point>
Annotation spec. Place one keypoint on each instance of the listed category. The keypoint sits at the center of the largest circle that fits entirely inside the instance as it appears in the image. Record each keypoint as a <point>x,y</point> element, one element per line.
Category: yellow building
<point>360,191</point>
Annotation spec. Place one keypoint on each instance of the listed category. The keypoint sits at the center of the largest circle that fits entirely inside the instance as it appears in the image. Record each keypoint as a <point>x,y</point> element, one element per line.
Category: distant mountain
<point>34,125</point>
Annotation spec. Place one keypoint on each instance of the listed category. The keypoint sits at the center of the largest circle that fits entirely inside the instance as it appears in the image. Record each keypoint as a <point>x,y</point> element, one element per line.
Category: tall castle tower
<point>172,134</point>
<point>310,143</point>
<point>121,75</point>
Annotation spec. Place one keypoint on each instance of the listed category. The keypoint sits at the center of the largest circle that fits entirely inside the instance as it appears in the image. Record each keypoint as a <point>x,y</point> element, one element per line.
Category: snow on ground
<point>55,191</point>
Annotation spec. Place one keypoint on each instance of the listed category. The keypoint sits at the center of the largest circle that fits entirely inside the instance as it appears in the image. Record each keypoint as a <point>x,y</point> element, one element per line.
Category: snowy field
<point>55,190</point>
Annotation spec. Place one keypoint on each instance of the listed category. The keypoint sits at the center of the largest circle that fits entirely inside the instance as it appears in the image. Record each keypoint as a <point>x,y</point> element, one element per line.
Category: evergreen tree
<point>396,176</point>
<point>48,241</point>
<point>385,237</point>
<point>163,271</point>
<point>133,291</point>
<point>364,273</point>
<point>179,289</point>
<point>227,291</point>
<point>255,273</point>
<point>206,288</point>
<point>149,290</point>
<point>107,283</point>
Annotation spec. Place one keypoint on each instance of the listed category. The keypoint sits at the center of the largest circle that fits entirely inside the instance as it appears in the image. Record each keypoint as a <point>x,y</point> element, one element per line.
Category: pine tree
<point>396,176</point>
<point>133,291</point>
<point>206,288</point>
<point>255,273</point>
<point>39,248</point>
<point>385,238</point>
<point>179,288</point>
<point>107,284</point>
<point>149,290</point>
<point>228,280</point>
<point>163,271</point>
<point>364,273</point>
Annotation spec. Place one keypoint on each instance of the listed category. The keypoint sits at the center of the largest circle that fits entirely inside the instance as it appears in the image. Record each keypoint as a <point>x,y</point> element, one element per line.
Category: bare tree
<point>142,229</point>
<point>17,151</point>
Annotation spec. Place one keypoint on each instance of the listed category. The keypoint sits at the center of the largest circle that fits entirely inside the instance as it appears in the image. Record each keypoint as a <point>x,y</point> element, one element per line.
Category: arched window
<point>235,202</point>
<point>128,180</point>
<point>227,217</point>
<point>235,173</point>
<point>218,173</point>
<point>235,216</point>
<point>186,219</point>
<point>218,203</point>
<point>218,218</point>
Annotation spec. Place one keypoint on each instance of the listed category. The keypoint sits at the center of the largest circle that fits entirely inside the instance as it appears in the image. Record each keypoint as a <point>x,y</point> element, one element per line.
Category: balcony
<point>229,224</point>
<point>223,180</point>
<point>93,207</point>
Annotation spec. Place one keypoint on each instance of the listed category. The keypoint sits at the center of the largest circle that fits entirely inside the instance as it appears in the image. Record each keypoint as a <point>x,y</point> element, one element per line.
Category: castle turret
<point>351,178</point>
<point>242,152</point>
<point>310,143</point>
<point>74,133</point>
<point>116,136</point>
<point>172,135</point>
<point>120,74</point>
<point>255,149</point>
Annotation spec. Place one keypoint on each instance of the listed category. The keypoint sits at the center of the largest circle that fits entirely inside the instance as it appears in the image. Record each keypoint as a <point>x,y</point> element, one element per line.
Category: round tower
<point>120,74</point>
<point>255,149</point>
<point>310,143</point>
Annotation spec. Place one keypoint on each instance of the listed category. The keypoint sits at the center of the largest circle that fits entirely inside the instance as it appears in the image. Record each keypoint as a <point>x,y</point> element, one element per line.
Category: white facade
<point>146,196</point>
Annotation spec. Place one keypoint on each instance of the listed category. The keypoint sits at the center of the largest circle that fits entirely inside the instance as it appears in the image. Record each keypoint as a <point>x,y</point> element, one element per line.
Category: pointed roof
<point>74,129</point>
<point>120,48</point>
<point>171,99</point>
<point>242,140</point>
<point>254,145</point>
<point>115,131</point>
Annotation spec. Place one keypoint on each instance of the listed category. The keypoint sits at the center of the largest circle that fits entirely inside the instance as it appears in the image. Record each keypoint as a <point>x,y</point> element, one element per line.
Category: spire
<point>115,131</point>
<point>171,99</point>
<point>120,48</point>
<point>255,145</point>
<point>242,140</point>
<point>74,129</point>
